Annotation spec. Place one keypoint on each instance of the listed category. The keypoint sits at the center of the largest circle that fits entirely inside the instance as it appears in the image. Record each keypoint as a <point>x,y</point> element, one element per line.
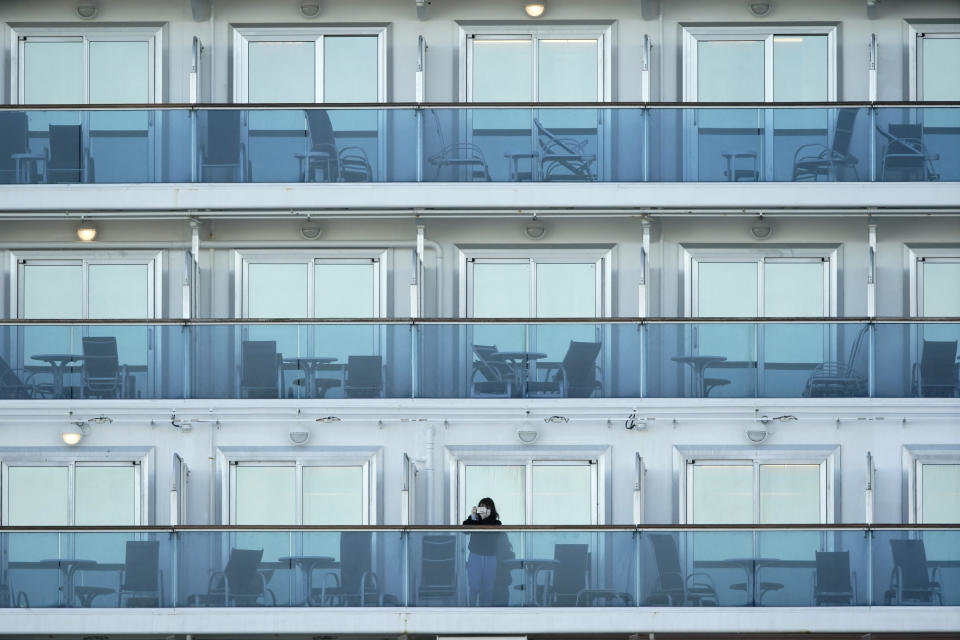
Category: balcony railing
<point>762,142</point>
<point>357,359</point>
<point>534,567</point>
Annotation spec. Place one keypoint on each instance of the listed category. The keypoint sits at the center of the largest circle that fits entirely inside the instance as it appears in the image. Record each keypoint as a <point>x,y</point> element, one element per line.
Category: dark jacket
<point>484,544</point>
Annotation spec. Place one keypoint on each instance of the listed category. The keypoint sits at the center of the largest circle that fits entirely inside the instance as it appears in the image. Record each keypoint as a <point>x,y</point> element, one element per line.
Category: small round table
<point>307,565</point>
<point>309,367</point>
<point>519,362</point>
<point>698,364</point>
<point>532,567</point>
<point>58,365</point>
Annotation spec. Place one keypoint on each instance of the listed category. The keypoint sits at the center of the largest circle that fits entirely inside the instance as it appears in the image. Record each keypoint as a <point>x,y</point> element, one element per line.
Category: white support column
<point>643,290</point>
<point>871,475</point>
<point>872,69</point>
<point>638,491</point>
<point>416,281</point>
<point>645,63</point>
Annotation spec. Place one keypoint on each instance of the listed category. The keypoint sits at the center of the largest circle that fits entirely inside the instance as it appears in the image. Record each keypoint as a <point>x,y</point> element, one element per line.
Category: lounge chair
<point>563,159</point>
<point>935,376</point>
<point>466,159</point>
<point>571,580</point>
<point>222,151</point>
<point>13,141</point>
<point>357,585</point>
<point>575,377</point>
<point>673,587</point>
<point>103,375</point>
<point>240,584</point>
<point>364,377</point>
<point>260,369</point>
<point>490,377</point>
<point>65,159</point>
<point>15,384</point>
<point>832,584</point>
<point>811,161</point>
<point>839,379</point>
<point>141,581</point>
<point>911,580</point>
<point>905,155</point>
<point>438,569</point>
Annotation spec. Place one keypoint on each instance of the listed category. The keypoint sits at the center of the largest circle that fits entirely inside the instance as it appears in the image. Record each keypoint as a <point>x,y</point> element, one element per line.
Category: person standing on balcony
<point>482,563</point>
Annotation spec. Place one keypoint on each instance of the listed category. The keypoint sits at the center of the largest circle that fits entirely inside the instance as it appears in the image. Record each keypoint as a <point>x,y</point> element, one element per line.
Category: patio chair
<point>322,159</point>
<point>811,161</point>
<point>65,156</point>
<point>354,165</point>
<point>141,581</point>
<point>240,584</point>
<point>364,377</point>
<point>570,586</point>
<point>911,580</point>
<point>13,140</point>
<point>575,377</point>
<point>103,375</point>
<point>490,378</point>
<point>260,369</point>
<point>563,159</point>
<point>438,569</point>
<point>15,384</point>
<point>935,376</point>
<point>672,587</point>
<point>839,379</point>
<point>222,151</point>
<point>10,597</point>
<point>905,154</point>
<point>832,583</point>
<point>465,158</point>
<point>357,585</point>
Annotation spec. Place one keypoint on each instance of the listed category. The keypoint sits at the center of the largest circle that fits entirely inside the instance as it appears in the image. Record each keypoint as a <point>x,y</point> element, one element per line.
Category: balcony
<point>669,566</point>
<point>493,359</point>
<point>607,143</point>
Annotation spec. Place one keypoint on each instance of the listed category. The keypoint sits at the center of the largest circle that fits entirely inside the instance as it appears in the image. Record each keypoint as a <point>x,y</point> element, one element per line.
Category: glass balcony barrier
<point>615,358</point>
<point>506,567</point>
<point>504,143</point>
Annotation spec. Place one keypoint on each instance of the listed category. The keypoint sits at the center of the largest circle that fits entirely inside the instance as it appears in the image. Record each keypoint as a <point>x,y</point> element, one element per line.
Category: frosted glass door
<point>116,291</point>
<point>105,496</point>
<point>940,77</point>
<point>565,290</point>
<point>940,297</point>
<point>278,291</point>
<point>727,290</point>
<point>722,494</point>
<point>265,495</point>
<point>345,291</point>
<point>36,496</point>
<point>501,290</point>
<point>562,494</point>
<point>351,74</point>
<point>51,291</point>
<point>331,496</point>
<point>504,484</point>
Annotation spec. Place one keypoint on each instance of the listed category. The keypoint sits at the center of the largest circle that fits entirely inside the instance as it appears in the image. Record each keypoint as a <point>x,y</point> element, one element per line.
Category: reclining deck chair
<point>490,377</point>
<point>935,376</point>
<point>906,155</point>
<point>563,159</point>
<point>13,141</point>
<point>672,587</point>
<point>240,584</point>
<point>103,375</point>
<point>832,585</point>
<point>839,379</point>
<point>811,161</point>
<point>222,151</point>
<point>465,159</point>
<point>575,377</point>
<point>911,580</point>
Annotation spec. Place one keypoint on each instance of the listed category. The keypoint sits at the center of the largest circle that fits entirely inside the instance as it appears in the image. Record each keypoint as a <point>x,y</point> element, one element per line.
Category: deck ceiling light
<point>756,436</point>
<point>87,10</point>
<point>86,231</point>
<point>75,433</point>
<point>528,436</point>
<point>535,231</point>
<point>309,8</point>
<point>299,437</point>
<point>759,8</point>
<point>535,9</point>
<point>311,231</point>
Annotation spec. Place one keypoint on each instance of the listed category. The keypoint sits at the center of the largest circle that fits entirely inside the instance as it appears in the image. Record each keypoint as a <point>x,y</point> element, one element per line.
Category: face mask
<point>482,512</point>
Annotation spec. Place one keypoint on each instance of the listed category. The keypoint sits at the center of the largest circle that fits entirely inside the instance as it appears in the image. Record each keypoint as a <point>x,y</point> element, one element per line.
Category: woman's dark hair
<point>488,503</point>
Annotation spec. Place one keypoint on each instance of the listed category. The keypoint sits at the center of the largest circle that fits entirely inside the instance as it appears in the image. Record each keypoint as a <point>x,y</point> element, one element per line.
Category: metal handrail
<point>456,528</point>
<point>479,321</point>
<point>286,106</point>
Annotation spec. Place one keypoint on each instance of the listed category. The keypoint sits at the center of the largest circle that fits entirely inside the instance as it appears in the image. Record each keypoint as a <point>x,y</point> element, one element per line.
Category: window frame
<point>242,36</point>
<point>152,259</point>
<point>142,457</point>
<point>913,457</point>
<point>693,34</point>
<point>152,34</point>
<point>686,457</point>
<point>601,257</point>
<point>602,32</point>
<point>916,31</point>
<point>243,259</point>
<point>369,458</point>
<point>915,256</point>
<point>597,457</point>
<point>692,255</point>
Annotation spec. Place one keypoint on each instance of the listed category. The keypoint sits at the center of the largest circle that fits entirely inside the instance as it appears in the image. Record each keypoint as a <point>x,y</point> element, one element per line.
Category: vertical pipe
<point>428,444</point>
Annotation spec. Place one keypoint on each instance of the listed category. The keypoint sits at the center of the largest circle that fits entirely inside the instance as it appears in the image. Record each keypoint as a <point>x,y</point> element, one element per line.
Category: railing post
<point>174,568</point>
<point>644,358</point>
<point>637,534</point>
<point>414,360</point>
<point>868,536</point>
<point>873,143</point>
<point>405,565</point>
<point>872,360</point>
